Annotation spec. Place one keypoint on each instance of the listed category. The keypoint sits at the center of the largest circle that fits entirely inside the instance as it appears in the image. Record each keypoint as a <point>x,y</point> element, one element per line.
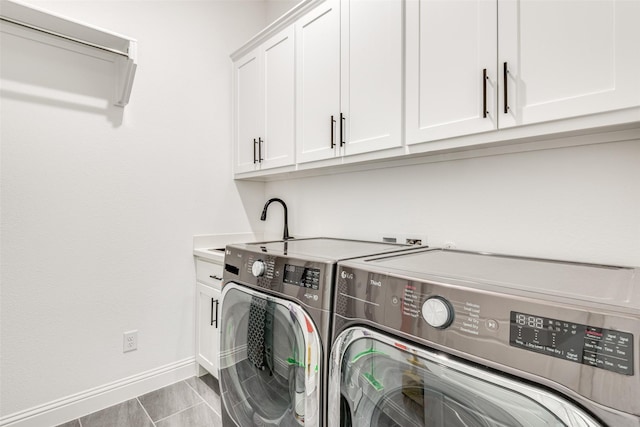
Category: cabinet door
<point>279,101</point>
<point>248,111</point>
<point>567,58</point>
<point>208,332</point>
<point>371,77</point>
<point>449,45</point>
<point>318,82</point>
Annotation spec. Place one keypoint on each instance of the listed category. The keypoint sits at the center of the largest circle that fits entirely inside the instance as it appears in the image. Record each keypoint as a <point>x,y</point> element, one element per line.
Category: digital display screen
<point>601,348</point>
<point>302,276</point>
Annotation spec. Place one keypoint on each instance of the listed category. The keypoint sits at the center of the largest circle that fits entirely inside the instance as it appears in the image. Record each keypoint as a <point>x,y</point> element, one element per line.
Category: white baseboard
<point>80,404</point>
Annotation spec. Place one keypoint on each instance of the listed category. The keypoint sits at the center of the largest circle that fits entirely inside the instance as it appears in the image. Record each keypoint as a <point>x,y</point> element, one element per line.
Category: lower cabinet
<point>207,326</point>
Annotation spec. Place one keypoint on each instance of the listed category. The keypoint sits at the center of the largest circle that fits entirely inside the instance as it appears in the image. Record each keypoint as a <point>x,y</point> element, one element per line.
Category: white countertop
<point>205,245</point>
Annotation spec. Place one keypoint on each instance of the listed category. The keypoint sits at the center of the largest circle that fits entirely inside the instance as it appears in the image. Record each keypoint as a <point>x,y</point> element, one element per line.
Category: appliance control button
<point>437,312</point>
<point>492,324</point>
<point>258,268</point>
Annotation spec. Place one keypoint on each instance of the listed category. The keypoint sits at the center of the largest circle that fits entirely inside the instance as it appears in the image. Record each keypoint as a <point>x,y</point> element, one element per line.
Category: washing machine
<point>449,338</point>
<point>275,324</point>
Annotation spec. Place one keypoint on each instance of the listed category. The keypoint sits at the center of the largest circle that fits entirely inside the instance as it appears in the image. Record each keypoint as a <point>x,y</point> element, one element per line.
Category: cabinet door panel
<point>208,334</point>
<point>371,95</point>
<point>279,100</point>
<point>318,76</point>
<point>449,44</point>
<point>568,59</point>
<point>249,110</point>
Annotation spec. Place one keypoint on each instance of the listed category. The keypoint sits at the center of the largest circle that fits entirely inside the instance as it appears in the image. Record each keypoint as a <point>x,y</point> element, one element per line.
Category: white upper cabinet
<point>264,110</point>
<point>279,100</point>
<point>451,68</point>
<point>371,75</point>
<point>248,121</point>
<point>318,76</point>
<point>544,61</point>
<point>567,58</point>
<point>352,81</point>
<point>349,78</point>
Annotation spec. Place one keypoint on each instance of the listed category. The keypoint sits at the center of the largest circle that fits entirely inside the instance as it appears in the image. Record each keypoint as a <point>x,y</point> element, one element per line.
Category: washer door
<point>269,355</point>
<point>377,381</point>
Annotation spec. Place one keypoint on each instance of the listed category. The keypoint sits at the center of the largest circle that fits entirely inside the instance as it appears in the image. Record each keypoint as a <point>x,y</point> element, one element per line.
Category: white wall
<point>99,204</point>
<point>580,203</point>
<point>276,8</point>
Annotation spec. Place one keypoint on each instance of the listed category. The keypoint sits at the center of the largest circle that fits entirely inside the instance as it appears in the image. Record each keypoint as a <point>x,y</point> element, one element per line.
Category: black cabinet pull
<point>213,276</point>
<point>333,144</point>
<point>342,125</point>
<point>484,93</point>
<point>505,71</point>
<point>254,151</point>
<point>260,141</point>
<point>216,319</point>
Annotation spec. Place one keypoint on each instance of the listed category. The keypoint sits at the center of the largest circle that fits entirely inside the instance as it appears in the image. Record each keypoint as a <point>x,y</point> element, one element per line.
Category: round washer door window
<point>269,352</point>
<point>386,383</point>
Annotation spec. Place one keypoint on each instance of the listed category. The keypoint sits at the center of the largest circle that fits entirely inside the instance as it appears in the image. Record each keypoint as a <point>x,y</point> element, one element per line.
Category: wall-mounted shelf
<point>121,47</point>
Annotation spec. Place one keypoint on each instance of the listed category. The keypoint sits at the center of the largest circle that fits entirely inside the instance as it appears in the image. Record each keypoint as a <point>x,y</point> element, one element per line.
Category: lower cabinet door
<point>208,331</point>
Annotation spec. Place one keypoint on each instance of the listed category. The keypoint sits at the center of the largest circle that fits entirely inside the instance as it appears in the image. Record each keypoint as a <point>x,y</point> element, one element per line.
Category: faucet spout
<point>263,217</point>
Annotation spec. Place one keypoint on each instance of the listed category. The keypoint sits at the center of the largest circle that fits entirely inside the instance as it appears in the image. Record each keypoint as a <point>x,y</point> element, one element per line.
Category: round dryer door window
<point>269,353</point>
<point>385,383</point>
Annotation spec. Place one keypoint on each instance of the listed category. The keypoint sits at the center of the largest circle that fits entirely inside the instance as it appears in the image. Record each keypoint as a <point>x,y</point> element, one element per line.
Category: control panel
<point>284,272</point>
<point>301,276</point>
<point>601,348</point>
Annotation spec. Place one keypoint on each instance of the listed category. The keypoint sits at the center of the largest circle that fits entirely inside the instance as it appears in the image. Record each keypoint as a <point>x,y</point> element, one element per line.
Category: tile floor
<point>194,402</point>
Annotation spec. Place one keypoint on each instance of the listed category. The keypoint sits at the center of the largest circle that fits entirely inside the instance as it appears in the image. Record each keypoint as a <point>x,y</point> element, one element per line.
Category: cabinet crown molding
<point>287,19</point>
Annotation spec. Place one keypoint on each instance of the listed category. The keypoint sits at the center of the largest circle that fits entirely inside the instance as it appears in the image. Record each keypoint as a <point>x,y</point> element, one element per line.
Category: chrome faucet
<point>263,217</point>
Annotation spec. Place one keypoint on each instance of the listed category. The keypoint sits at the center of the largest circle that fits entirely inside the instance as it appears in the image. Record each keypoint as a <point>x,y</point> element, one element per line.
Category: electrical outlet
<point>130,342</point>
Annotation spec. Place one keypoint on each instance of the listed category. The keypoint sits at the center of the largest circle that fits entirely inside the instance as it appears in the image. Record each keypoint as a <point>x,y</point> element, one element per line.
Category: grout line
<point>79,422</point>
<point>180,411</point>
<point>202,397</point>
<point>145,411</point>
<point>196,391</point>
<point>212,408</point>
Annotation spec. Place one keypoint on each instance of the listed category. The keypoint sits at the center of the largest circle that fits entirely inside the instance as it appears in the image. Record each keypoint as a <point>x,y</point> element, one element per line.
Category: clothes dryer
<point>452,338</point>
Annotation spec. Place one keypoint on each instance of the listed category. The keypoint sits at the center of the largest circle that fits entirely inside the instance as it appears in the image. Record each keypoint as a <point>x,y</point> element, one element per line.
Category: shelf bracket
<point>122,48</point>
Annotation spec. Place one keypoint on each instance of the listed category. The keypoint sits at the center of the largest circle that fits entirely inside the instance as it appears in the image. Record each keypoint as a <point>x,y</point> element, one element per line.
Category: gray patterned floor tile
<point>125,414</point>
<point>74,423</point>
<point>207,387</point>
<point>198,416</point>
<point>169,400</point>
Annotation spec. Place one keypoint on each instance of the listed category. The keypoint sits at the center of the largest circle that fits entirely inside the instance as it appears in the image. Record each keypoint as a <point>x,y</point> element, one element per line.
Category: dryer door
<point>378,381</point>
<point>269,356</point>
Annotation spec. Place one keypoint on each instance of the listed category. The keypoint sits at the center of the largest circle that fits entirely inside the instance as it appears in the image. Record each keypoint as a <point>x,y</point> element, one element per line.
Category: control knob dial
<point>437,312</point>
<point>258,268</point>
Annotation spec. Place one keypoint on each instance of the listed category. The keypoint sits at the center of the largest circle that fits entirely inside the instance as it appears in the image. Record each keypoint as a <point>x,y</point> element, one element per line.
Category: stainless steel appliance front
<point>570,327</point>
<point>275,325</point>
